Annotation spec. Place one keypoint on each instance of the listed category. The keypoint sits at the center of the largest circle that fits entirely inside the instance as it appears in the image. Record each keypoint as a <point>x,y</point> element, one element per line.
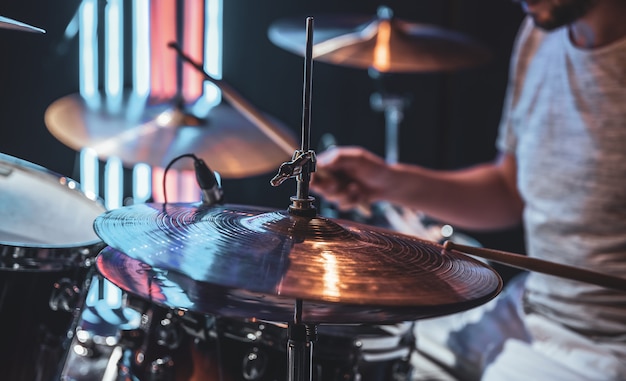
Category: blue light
<point>89,173</point>
<point>88,49</point>
<point>114,68</point>
<point>213,49</point>
<point>113,175</point>
<point>142,183</point>
<point>141,47</point>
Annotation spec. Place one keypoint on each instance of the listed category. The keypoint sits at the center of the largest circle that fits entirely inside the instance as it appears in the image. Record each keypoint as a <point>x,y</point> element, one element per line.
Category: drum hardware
<point>16,258</point>
<point>147,347</point>
<point>253,348</point>
<point>66,295</point>
<point>154,362</point>
<point>7,23</point>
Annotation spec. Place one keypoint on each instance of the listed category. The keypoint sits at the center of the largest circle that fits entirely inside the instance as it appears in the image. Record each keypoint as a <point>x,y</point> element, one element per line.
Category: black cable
<point>205,177</point>
<point>167,168</point>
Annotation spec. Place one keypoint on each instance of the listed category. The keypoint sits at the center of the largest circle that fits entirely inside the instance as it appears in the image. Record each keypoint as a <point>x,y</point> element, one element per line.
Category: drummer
<point>560,172</point>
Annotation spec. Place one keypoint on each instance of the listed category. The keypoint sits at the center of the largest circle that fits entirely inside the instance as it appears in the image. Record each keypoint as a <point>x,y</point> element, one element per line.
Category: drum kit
<point>219,291</point>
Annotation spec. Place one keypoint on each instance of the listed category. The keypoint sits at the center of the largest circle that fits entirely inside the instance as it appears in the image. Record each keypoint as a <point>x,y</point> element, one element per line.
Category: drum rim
<point>31,250</point>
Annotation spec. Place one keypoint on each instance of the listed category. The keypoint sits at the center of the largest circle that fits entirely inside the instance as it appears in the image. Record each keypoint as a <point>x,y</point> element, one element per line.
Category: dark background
<point>451,122</point>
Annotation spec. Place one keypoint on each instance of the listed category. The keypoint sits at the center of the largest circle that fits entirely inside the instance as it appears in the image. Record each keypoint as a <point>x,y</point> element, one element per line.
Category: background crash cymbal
<point>383,43</point>
<point>141,131</point>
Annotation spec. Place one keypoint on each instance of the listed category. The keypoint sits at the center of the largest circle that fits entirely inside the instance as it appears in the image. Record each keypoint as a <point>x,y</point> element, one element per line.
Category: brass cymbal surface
<point>138,131</point>
<point>388,45</point>
<point>247,261</point>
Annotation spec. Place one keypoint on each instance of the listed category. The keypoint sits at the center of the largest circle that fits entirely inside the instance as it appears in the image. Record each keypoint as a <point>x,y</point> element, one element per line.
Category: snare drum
<point>47,246</point>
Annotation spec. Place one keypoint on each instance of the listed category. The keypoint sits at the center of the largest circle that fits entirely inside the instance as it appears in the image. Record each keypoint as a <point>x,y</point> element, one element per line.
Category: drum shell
<point>258,351</point>
<point>47,247</point>
<point>176,345</point>
<point>38,310</point>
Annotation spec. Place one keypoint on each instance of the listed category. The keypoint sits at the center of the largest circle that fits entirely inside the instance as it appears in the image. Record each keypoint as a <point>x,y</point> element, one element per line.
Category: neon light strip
<point>163,60</point>
<point>213,49</point>
<point>141,47</point>
<point>113,176</point>
<point>142,181</point>
<point>193,44</point>
<point>114,31</point>
<point>72,27</point>
<point>89,173</point>
<point>88,49</point>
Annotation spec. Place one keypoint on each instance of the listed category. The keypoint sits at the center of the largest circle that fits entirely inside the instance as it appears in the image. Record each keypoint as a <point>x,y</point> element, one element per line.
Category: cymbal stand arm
<point>304,178</point>
<point>303,161</point>
<point>301,336</point>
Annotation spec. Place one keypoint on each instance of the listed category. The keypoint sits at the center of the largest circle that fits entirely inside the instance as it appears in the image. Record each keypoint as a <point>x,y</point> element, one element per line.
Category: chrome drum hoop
<point>46,221</point>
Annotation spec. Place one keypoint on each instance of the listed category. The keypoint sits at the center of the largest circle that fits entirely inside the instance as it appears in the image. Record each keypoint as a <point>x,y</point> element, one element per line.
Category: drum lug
<point>401,370</point>
<point>161,369</point>
<point>65,295</point>
<point>254,364</point>
<point>169,334</point>
<point>132,338</point>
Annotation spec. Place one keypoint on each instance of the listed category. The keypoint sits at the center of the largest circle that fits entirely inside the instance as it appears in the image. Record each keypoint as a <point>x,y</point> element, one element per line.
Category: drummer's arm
<point>481,197</point>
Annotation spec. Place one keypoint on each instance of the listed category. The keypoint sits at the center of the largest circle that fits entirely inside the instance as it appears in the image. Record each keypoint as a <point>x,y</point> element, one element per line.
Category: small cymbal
<point>383,43</point>
<point>7,23</point>
<point>141,132</point>
<point>261,261</point>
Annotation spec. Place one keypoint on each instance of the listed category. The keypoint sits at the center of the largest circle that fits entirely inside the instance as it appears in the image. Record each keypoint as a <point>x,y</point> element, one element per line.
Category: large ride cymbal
<point>382,43</point>
<point>7,23</point>
<point>243,261</point>
<point>137,131</point>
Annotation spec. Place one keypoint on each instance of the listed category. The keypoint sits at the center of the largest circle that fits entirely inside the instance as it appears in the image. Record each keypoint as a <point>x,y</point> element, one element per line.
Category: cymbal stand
<point>300,347</point>
<point>301,336</point>
<point>393,107</point>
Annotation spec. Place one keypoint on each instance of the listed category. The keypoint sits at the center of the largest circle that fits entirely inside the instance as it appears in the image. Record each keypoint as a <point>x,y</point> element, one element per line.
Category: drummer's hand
<point>349,177</point>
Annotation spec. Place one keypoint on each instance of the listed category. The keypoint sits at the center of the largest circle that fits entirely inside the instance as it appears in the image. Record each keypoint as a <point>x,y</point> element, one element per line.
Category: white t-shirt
<point>565,121</point>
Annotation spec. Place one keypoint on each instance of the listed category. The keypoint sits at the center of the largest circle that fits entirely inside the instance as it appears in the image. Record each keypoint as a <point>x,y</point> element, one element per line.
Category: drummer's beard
<point>553,14</point>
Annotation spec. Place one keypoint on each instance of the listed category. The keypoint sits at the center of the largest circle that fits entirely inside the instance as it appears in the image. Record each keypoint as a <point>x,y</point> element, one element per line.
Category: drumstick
<point>541,266</point>
<point>242,105</point>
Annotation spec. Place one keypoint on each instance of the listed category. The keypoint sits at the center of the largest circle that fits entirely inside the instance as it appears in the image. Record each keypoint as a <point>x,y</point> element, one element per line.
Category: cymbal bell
<point>384,43</point>
<point>142,131</point>
<point>244,261</point>
<point>7,23</point>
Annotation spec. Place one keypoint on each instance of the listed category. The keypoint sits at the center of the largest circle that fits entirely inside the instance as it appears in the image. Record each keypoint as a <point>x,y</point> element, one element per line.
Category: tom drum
<point>47,247</point>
